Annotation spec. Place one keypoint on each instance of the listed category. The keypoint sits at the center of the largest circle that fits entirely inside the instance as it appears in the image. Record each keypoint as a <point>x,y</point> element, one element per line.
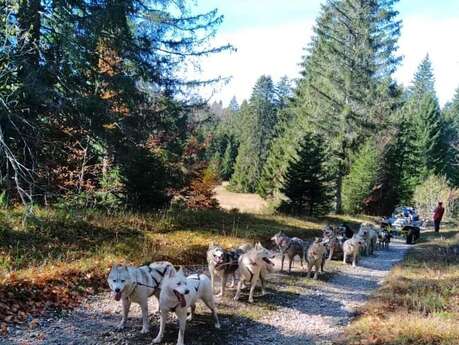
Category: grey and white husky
<point>178,293</point>
<point>253,267</point>
<point>289,246</point>
<point>137,284</point>
<point>223,263</point>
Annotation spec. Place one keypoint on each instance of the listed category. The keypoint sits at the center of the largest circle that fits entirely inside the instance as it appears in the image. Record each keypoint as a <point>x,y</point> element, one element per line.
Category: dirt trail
<point>297,310</point>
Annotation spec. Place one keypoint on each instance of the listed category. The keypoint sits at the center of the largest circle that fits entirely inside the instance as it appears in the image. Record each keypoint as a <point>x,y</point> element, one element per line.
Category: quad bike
<point>404,222</point>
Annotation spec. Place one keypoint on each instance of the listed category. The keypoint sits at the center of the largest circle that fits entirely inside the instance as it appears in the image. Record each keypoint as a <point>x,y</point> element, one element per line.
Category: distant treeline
<point>346,136</point>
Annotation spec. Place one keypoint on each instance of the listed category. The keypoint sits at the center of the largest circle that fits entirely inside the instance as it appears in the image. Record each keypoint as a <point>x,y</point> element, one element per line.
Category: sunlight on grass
<point>419,301</point>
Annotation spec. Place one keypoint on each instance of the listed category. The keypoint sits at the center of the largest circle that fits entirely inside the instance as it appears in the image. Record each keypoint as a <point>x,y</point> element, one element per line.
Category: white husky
<point>137,284</point>
<point>369,234</point>
<point>253,266</point>
<point>178,293</point>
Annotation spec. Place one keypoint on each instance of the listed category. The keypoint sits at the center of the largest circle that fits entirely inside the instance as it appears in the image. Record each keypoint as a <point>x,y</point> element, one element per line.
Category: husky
<point>180,293</point>
<point>370,236</point>
<point>289,246</point>
<point>384,238</point>
<point>353,247</point>
<point>223,263</point>
<point>332,241</point>
<point>316,257</point>
<point>137,284</point>
<point>253,267</point>
<point>345,231</point>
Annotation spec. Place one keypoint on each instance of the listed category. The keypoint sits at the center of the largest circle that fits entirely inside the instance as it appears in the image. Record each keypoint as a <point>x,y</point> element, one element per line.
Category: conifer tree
<point>361,179</point>
<point>351,58</point>
<point>307,181</point>
<point>428,123</point>
<point>259,118</point>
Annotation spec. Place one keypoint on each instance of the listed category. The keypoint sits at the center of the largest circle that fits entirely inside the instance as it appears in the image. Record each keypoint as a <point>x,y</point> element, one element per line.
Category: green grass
<point>419,301</point>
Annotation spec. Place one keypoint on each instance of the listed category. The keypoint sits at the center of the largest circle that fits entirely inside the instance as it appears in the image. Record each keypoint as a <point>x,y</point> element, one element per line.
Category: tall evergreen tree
<point>451,139</point>
<point>259,120</point>
<point>361,179</point>
<point>307,181</point>
<point>350,59</point>
<point>424,112</point>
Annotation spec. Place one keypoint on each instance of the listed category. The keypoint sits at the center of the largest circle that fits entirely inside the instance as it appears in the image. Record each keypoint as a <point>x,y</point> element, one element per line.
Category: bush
<point>433,190</point>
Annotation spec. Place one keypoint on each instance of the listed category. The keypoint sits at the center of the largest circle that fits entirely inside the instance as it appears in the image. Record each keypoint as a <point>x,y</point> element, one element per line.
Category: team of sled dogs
<point>179,293</point>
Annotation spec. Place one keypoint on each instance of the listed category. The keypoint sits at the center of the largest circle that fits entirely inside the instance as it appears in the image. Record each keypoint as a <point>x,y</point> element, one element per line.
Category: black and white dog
<point>223,263</point>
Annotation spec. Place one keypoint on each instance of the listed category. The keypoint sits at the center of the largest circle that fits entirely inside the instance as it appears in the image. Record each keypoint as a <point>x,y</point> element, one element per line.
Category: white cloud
<point>422,35</point>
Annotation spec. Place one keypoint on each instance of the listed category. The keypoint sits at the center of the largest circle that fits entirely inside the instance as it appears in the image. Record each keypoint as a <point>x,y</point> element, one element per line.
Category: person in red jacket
<point>438,215</point>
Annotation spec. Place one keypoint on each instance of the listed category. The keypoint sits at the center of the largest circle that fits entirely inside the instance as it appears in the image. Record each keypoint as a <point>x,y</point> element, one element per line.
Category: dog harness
<point>161,273</point>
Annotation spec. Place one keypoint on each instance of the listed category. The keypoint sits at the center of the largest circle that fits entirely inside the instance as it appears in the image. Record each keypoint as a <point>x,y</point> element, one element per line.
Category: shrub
<point>433,190</point>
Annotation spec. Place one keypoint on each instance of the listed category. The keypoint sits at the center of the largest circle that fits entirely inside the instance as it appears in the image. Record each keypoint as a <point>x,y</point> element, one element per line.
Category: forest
<point>95,112</point>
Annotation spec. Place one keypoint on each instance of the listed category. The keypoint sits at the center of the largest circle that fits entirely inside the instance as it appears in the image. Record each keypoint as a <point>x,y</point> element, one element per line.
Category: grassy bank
<point>57,256</point>
<point>419,301</point>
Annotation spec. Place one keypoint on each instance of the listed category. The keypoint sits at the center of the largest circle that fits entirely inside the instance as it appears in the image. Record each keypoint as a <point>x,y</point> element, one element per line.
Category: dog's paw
<point>250,300</point>
<point>218,326</point>
<point>145,330</point>
<point>157,340</point>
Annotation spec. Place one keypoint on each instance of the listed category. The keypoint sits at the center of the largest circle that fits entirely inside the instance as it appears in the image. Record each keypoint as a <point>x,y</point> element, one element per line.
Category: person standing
<point>438,215</point>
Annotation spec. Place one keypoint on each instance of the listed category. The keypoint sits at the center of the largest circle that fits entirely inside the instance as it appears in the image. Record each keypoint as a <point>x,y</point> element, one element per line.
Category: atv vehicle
<point>404,222</point>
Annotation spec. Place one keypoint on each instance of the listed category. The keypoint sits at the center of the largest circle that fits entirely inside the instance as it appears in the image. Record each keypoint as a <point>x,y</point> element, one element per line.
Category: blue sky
<point>270,35</point>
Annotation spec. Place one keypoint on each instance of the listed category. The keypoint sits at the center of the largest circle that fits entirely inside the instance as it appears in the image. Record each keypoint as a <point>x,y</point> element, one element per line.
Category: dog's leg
<point>322,264</point>
<point>126,303</point>
<point>192,310</point>
<point>222,288</point>
<point>238,291</point>
<point>145,321</point>
<point>255,278</point>
<point>354,259</point>
<point>344,257</point>
<point>262,281</point>
<point>212,278</point>
<point>210,303</point>
<point>162,325</point>
<point>332,249</point>
<point>181,315</point>
<point>309,269</point>
<point>290,263</point>
<point>316,273</point>
<point>233,281</point>
<point>282,261</point>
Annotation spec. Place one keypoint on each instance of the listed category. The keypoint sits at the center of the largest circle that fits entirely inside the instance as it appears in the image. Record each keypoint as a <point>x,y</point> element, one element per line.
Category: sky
<point>270,36</point>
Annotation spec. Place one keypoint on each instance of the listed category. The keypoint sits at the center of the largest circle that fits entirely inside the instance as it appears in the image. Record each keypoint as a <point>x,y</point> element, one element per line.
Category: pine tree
<point>351,58</point>
<point>424,112</point>
<point>451,139</point>
<point>307,181</point>
<point>259,118</point>
<point>359,183</point>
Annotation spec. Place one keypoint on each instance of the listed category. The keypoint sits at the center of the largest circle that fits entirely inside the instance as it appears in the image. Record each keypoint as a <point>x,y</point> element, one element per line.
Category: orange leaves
<point>23,299</point>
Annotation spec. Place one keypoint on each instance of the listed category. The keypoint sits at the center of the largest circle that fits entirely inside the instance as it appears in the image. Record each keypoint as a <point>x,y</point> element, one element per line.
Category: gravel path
<point>296,311</point>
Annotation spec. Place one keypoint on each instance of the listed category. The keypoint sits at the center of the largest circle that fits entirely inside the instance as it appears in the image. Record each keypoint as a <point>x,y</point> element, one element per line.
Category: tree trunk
<point>338,195</point>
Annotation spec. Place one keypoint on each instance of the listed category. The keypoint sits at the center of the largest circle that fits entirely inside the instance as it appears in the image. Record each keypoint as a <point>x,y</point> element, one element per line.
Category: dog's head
<point>328,231</point>
<point>217,254</point>
<point>175,283</point>
<point>118,279</point>
<point>364,231</point>
<point>278,238</point>
<point>264,255</point>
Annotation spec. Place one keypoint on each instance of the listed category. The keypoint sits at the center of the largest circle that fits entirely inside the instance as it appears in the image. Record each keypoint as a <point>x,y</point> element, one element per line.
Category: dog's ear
<point>180,271</point>
<point>170,273</point>
<point>211,245</point>
<point>258,245</point>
